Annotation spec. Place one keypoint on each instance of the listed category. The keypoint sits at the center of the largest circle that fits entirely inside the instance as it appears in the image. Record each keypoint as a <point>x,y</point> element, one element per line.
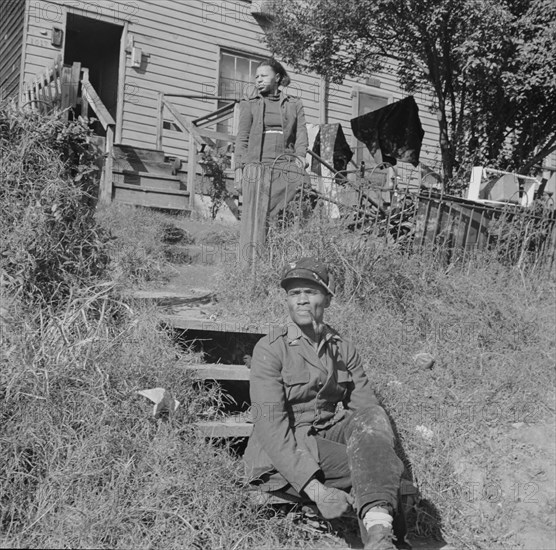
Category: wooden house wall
<point>181,42</point>
<point>12,17</point>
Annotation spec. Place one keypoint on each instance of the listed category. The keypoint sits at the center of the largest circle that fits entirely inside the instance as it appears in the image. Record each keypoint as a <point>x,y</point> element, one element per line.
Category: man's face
<point>306,301</point>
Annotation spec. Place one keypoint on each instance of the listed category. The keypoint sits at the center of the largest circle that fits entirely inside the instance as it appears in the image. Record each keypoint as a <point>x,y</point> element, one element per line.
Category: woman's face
<point>267,80</point>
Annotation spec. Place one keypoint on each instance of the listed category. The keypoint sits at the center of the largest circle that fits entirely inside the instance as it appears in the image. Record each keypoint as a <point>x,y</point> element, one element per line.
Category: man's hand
<point>332,503</point>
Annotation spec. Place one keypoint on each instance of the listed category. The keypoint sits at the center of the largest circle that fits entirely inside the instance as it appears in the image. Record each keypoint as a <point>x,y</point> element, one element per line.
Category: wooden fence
<point>64,88</point>
<point>416,217</point>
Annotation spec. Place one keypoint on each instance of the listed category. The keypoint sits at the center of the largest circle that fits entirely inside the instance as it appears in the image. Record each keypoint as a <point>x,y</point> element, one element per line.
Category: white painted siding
<point>181,42</point>
<point>12,16</point>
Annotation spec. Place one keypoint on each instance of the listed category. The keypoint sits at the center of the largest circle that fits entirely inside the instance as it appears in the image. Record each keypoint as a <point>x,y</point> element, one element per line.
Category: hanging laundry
<point>395,131</point>
<point>331,145</point>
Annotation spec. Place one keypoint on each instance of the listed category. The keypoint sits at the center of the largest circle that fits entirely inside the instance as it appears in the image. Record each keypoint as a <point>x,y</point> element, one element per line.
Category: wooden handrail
<point>94,101</point>
<point>199,137</point>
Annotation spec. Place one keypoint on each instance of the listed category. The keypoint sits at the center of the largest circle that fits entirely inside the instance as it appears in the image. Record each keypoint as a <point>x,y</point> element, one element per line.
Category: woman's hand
<point>332,503</point>
<point>238,174</point>
<point>300,161</point>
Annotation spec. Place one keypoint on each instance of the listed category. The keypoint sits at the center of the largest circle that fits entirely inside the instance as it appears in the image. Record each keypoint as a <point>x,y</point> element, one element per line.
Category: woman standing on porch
<point>271,129</point>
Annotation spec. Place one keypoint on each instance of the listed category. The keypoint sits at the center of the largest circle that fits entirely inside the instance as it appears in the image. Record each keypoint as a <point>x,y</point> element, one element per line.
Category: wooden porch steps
<point>141,177</point>
<point>154,180</point>
<point>150,197</point>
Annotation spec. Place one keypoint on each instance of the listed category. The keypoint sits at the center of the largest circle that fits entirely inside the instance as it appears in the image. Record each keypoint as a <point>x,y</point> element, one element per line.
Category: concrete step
<point>152,197</point>
<point>209,371</point>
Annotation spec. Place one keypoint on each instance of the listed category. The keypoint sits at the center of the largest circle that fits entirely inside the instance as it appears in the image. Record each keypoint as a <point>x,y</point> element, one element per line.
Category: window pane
<point>368,103</point>
<point>236,80</point>
<point>242,69</point>
<point>227,65</point>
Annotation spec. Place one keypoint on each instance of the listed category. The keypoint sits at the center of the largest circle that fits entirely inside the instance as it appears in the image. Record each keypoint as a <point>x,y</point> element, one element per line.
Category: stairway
<point>193,318</point>
<point>143,177</point>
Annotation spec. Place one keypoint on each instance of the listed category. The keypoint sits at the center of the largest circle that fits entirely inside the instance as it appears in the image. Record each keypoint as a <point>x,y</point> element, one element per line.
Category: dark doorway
<point>96,45</point>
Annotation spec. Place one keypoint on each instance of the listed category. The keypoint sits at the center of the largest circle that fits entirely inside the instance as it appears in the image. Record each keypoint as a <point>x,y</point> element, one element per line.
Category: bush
<point>51,242</point>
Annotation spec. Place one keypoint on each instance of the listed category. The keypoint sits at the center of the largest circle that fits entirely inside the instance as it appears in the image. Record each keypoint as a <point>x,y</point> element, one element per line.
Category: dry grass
<point>490,329</point>
<point>83,463</point>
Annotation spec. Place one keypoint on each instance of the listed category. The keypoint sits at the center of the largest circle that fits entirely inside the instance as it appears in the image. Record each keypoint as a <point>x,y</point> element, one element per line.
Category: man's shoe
<point>380,538</point>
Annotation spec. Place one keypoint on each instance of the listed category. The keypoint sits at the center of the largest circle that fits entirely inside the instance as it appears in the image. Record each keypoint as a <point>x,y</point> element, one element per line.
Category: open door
<point>96,45</point>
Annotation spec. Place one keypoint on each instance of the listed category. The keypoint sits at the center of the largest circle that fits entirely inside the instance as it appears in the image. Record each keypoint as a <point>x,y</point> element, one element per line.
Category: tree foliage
<point>489,65</point>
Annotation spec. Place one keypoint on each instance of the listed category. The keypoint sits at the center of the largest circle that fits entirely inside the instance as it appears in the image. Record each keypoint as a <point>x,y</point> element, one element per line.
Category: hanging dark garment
<point>331,145</point>
<point>395,129</point>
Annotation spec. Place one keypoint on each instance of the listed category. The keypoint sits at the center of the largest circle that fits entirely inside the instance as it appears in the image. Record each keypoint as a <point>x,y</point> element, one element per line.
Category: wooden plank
<point>163,297</point>
<point>227,427</point>
<point>105,190</point>
<point>74,83</point>
<point>203,323</point>
<point>160,120</point>
<point>48,89</point>
<point>151,198</point>
<point>65,85</point>
<point>154,190</point>
<point>183,122</point>
<point>217,372</point>
<point>191,168</point>
<point>215,135</point>
<point>97,105</point>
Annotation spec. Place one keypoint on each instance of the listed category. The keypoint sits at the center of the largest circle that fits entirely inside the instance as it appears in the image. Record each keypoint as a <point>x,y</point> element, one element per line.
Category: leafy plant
<point>214,163</point>
<point>51,241</point>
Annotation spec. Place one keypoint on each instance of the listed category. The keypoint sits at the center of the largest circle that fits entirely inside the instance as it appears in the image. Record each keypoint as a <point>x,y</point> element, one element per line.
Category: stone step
<point>208,371</point>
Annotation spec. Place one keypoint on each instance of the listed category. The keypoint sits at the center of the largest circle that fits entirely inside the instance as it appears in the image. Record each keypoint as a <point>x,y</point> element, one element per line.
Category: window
<point>237,75</point>
<point>365,102</point>
<point>236,79</point>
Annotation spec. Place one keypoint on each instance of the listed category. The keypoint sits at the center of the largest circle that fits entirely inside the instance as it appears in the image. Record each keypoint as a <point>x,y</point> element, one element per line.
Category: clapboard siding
<point>181,41</point>
<point>11,38</point>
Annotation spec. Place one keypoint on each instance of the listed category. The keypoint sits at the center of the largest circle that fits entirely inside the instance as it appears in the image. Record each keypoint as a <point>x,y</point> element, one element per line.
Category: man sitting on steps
<point>320,430</point>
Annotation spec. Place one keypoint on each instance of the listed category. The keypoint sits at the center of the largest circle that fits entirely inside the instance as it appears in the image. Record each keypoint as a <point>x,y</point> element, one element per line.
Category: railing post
<point>159,121</point>
<point>105,191</point>
<point>192,169</point>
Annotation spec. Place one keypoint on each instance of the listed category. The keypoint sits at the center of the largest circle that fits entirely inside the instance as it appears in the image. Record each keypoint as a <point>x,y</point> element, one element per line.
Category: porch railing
<point>63,88</point>
<point>199,137</point>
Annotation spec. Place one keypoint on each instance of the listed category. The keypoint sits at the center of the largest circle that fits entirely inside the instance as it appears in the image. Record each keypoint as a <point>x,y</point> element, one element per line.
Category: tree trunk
<point>544,152</point>
<point>444,140</point>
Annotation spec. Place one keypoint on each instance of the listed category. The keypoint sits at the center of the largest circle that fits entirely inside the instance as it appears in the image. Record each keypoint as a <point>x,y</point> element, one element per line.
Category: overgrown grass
<point>83,463</point>
<point>490,329</point>
<point>50,240</point>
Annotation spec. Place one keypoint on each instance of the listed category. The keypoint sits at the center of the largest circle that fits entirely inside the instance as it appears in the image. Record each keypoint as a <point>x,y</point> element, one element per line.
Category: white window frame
<point>370,90</point>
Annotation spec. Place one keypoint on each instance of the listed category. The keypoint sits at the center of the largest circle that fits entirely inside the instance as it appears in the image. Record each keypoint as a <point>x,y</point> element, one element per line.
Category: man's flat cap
<point>309,269</point>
